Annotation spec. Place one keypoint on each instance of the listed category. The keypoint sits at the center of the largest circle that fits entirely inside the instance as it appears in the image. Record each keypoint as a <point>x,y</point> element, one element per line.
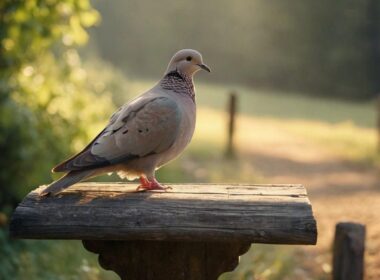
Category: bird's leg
<point>147,185</point>
<point>144,182</point>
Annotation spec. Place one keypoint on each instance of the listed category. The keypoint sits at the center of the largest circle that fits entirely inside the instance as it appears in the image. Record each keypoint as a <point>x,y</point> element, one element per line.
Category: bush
<point>47,104</point>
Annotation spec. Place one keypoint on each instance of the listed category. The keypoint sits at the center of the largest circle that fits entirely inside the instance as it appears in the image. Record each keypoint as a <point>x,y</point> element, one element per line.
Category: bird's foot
<point>147,185</point>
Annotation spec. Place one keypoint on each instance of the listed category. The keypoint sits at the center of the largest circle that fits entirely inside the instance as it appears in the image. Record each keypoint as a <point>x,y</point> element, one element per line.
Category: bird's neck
<point>179,83</point>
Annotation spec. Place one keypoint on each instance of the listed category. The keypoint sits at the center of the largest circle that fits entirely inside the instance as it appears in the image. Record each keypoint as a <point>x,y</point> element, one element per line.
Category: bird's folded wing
<point>146,126</point>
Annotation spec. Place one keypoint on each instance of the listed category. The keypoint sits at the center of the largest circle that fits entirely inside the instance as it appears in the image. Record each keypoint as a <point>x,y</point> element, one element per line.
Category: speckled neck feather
<point>179,83</point>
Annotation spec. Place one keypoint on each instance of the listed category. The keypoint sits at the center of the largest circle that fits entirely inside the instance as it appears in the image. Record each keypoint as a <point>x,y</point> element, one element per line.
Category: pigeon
<point>142,135</point>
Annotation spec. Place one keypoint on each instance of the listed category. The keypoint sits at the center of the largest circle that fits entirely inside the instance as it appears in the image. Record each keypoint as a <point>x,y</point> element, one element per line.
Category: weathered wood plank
<point>114,211</point>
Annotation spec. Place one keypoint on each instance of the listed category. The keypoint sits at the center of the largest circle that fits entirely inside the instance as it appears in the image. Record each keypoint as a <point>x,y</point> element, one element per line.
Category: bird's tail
<point>66,181</point>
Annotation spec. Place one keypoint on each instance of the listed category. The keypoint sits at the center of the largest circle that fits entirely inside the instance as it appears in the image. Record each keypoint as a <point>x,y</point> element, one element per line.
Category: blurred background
<point>307,79</point>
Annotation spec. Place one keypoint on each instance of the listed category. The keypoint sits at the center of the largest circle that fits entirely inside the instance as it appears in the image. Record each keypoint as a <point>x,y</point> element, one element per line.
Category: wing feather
<point>145,126</point>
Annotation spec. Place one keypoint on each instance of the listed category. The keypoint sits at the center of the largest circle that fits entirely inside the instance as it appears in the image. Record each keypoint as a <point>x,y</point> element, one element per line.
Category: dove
<point>142,135</point>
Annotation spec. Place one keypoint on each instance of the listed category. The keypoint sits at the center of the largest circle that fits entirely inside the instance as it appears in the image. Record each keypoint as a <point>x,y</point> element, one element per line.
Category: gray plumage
<point>67,180</point>
<point>144,134</point>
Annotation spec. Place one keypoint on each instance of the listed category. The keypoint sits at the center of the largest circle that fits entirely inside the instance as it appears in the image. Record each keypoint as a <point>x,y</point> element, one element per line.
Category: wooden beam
<point>194,212</point>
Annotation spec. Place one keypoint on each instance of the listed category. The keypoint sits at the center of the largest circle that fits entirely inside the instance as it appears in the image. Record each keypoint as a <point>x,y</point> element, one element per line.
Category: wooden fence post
<point>378,121</point>
<point>348,259</point>
<point>230,150</point>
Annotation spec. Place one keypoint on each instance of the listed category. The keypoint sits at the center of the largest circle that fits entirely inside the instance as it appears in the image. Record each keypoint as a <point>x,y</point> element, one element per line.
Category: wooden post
<point>192,232</point>
<point>230,150</point>
<point>163,260</point>
<point>348,259</point>
<point>378,121</point>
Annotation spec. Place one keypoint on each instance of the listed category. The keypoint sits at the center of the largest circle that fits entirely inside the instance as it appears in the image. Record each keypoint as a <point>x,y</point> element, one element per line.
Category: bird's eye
<point>189,58</point>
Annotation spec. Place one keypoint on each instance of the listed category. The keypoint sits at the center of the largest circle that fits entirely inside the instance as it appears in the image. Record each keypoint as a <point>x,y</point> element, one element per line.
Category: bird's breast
<point>185,130</point>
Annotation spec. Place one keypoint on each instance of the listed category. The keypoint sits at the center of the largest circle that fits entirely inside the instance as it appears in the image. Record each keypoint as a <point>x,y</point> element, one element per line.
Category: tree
<point>374,44</point>
<point>45,97</point>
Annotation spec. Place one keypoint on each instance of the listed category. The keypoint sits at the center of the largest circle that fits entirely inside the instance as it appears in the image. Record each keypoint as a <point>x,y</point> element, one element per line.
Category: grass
<point>274,262</point>
<point>45,260</point>
<point>265,262</point>
<point>288,106</point>
<point>350,142</point>
<point>344,128</point>
<point>278,105</point>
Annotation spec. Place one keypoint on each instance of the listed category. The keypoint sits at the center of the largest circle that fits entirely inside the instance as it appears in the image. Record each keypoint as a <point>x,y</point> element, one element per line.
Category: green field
<point>279,105</point>
<point>342,127</point>
<point>346,128</point>
<point>288,106</point>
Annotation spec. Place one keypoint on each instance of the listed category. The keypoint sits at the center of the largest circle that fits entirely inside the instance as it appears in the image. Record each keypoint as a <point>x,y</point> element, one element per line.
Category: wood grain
<point>279,214</point>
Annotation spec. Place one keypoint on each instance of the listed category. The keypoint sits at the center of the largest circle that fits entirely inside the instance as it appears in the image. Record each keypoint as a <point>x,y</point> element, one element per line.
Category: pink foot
<point>147,185</point>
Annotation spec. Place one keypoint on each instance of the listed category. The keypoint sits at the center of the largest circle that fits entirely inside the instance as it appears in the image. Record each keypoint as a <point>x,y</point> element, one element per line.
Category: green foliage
<point>30,28</point>
<point>321,47</point>
<point>50,105</point>
<point>265,262</point>
<point>43,91</point>
<point>111,82</point>
<point>54,259</point>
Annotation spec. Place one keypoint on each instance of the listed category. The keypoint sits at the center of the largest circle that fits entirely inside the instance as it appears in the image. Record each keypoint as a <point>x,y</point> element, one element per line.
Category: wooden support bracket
<point>162,260</point>
<point>189,232</point>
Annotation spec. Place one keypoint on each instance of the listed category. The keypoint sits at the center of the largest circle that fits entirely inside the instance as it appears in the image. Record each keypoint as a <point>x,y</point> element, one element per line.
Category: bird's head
<point>188,62</point>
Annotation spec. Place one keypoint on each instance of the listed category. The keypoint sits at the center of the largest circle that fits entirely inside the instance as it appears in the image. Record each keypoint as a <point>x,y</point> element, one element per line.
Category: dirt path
<point>338,190</point>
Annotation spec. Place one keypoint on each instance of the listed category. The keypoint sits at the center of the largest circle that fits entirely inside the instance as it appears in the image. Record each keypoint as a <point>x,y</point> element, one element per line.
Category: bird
<point>143,134</point>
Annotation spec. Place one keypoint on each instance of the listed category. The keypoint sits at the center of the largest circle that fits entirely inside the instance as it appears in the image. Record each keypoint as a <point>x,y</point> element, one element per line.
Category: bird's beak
<point>204,67</point>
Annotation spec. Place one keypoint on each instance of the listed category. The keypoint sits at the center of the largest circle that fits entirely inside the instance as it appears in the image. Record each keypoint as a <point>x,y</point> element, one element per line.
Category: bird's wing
<point>147,125</point>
